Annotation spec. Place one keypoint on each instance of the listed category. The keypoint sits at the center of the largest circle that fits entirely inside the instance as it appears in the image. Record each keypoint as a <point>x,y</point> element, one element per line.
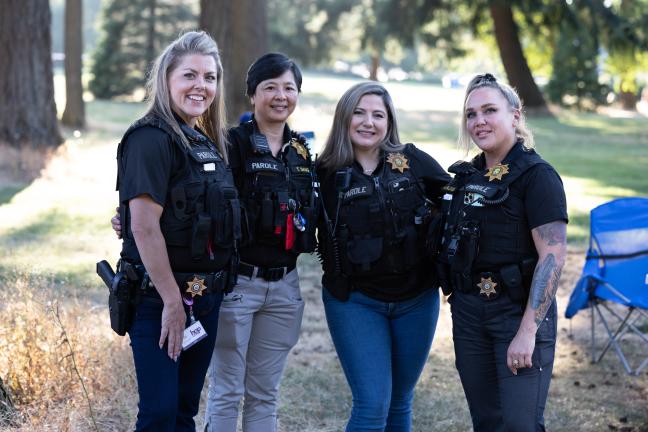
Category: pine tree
<point>133,33</point>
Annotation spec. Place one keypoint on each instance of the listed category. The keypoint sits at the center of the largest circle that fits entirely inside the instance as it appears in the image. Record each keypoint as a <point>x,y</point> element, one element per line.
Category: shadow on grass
<point>46,224</point>
<point>8,192</point>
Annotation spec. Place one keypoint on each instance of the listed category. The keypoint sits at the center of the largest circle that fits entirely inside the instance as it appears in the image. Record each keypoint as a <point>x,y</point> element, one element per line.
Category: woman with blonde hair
<point>174,187</point>
<point>504,248</point>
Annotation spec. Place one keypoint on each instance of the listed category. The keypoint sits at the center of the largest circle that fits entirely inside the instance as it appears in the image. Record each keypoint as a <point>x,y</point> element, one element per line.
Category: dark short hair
<point>268,66</point>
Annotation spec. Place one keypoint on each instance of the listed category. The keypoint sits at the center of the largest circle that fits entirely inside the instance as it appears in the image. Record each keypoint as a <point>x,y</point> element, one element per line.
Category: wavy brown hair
<point>338,150</point>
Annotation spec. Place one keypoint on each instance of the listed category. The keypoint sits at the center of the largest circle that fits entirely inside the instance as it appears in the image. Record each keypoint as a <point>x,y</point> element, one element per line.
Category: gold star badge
<point>497,172</point>
<point>196,286</point>
<point>487,287</point>
<point>398,161</point>
<point>299,148</point>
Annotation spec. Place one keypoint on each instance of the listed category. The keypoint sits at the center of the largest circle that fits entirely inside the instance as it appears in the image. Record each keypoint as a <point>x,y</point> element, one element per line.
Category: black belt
<point>205,283</point>
<point>271,274</point>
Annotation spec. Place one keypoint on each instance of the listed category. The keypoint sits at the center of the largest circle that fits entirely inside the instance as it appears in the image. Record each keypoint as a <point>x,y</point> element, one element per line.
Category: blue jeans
<point>169,392</point>
<point>382,348</point>
<point>498,400</point>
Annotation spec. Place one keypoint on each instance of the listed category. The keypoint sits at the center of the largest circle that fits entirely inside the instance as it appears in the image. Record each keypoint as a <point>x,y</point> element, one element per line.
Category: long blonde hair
<point>338,150</point>
<point>513,99</point>
<point>213,121</point>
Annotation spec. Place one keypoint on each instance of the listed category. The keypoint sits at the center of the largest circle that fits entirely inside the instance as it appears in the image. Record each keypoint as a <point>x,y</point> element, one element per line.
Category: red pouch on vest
<point>290,232</point>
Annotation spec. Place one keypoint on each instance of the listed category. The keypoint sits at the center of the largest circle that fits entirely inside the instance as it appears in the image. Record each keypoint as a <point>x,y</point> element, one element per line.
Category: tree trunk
<point>74,113</point>
<point>240,28</point>
<point>151,51</point>
<point>628,100</point>
<point>515,64</point>
<point>375,64</point>
<point>27,108</point>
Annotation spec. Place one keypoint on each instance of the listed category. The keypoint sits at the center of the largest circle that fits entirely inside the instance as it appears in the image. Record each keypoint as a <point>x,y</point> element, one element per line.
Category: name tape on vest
<point>264,166</point>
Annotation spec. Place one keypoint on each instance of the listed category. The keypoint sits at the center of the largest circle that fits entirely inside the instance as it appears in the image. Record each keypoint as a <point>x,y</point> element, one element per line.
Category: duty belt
<point>205,283</point>
<point>485,284</point>
<point>271,274</point>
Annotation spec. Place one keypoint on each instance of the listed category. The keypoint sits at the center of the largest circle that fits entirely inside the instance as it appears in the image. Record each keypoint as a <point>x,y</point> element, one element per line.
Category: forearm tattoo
<point>547,272</point>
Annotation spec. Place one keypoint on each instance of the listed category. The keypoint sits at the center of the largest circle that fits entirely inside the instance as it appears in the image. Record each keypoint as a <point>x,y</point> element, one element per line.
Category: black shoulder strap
<point>522,162</point>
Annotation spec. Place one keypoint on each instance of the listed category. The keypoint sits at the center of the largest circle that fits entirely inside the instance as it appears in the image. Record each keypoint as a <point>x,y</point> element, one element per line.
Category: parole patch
<point>254,166</point>
<point>358,191</point>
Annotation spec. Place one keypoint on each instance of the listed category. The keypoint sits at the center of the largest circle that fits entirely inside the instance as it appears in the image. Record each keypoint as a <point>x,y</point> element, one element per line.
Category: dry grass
<point>52,345</point>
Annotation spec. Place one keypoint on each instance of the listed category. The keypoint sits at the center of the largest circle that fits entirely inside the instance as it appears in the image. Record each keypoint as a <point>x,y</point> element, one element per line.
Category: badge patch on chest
<point>497,172</point>
<point>398,161</point>
<point>299,148</point>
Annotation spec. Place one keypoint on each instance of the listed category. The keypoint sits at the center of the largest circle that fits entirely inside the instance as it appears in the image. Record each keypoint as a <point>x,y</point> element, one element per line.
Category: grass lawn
<point>54,229</point>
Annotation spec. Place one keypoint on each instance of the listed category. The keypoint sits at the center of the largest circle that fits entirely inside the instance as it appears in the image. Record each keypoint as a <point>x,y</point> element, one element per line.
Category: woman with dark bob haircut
<point>260,320</point>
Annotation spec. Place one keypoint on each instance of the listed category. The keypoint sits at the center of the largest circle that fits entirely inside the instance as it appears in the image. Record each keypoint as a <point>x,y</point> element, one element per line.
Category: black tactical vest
<point>201,214</point>
<point>382,221</point>
<point>277,193</point>
<point>486,226</point>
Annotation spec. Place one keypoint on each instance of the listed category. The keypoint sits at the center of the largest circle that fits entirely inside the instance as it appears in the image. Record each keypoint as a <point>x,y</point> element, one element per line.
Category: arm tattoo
<point>553,233</point>
<point>544,286</point>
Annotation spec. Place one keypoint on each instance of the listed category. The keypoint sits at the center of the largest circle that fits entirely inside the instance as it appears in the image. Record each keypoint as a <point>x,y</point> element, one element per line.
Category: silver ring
<point>516,363</point>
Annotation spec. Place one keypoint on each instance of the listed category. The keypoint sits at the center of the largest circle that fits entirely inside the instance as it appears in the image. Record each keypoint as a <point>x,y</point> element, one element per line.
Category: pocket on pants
<point>206,304</point>
<point>547,329</point>
<point>292,280</point>
<point>546,339</point>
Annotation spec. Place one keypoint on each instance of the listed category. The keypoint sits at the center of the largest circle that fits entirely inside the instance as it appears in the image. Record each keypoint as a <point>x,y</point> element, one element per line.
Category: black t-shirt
<point>257,254</point>
<point>148,159</point>
<point>542,192</point>
<point>151,162</point>
<point>396,287</point>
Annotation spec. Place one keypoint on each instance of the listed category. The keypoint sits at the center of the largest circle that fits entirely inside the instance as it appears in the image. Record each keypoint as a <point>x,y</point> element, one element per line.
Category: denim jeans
<point>382,347</point>
<point>169,392</point>
<point>482,332</point>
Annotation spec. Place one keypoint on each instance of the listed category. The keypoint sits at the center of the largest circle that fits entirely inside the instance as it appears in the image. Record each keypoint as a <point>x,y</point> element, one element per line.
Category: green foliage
<point>575,79</point>
<point>131,37</point>
<point>627,44</point>
<point>307,30</point>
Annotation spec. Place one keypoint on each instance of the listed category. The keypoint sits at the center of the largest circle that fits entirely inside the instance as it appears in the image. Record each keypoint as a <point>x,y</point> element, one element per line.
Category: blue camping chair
<point>616,270</point>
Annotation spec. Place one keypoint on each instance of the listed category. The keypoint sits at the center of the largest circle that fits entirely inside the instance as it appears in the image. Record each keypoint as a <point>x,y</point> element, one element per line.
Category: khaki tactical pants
<point>258,325</point>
